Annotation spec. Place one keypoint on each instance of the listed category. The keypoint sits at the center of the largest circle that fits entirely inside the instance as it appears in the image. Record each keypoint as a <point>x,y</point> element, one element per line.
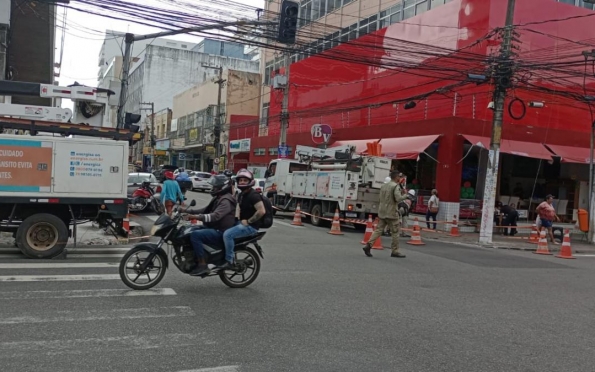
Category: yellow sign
<point>193,135</point>
<point>210,149</point>
<point>147,151</point>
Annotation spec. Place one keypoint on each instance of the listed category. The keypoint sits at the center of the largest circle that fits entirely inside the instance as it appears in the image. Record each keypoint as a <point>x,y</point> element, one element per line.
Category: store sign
<point>321,133</point>
<point>242,145</point>
<point>162,145</point>
<point>193,136</point>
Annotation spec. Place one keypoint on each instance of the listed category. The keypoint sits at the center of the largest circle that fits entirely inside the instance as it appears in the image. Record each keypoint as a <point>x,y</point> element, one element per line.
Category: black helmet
<point>221,185</point>
<point>227,173</point>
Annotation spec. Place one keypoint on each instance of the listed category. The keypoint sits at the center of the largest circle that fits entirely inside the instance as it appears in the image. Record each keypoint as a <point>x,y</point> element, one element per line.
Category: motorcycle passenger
<point>252,210</point>
<point>170,192</point>
<point>217,217</point>
<point>182,176</point>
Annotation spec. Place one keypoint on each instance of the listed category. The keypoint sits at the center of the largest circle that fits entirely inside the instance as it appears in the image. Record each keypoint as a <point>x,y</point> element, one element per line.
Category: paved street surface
<point>318,305</point>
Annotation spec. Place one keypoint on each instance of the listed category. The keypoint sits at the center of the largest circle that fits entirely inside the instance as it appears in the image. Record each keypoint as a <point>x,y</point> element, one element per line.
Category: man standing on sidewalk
<point>391,194</point>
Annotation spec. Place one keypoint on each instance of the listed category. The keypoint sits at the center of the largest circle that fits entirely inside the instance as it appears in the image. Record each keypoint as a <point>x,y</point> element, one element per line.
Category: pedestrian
<point>433,207</point>
<point>404,208</point>
<point>170,193</point>
<point>511,216</point>
<point>391,194</point>
<point>547,215</point>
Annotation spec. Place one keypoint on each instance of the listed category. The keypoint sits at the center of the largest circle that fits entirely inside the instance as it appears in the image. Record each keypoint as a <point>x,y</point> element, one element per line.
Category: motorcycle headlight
<point>155,228</point>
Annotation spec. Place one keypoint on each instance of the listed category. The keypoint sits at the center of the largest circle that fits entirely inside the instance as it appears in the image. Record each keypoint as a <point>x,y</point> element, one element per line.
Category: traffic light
<point>131,119</point>
<point>153,140</point>
<point>288,19</point>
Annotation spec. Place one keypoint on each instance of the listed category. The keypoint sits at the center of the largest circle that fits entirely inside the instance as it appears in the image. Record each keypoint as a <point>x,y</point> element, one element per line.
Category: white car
<point>200,181</point>
<point>259,185</point>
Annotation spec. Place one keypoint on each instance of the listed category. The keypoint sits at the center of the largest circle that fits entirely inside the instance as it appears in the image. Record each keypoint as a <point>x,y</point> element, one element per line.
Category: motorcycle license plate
<point>351,215</point>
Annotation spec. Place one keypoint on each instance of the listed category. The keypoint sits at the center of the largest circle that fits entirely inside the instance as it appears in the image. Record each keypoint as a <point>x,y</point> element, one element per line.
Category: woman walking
<point>433,206</point>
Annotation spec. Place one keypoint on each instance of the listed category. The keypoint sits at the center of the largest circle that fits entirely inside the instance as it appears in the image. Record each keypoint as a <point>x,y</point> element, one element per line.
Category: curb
<point>496,246</point>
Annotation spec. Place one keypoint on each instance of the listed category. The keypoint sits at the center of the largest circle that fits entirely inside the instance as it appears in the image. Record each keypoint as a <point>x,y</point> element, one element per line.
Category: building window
<point>184,46</point>
<point>169,43</point>
<point>585,5</point>
<point>273,150</point>
<point>259,152</point>
<point>264,115</point>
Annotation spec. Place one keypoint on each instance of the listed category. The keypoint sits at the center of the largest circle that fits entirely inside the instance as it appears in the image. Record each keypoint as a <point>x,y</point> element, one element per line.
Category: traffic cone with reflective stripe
<point>369,230</point>
<point>566,250</point>
<point>415,234</point>
<point>297,217</point>
<point>454,229</point>
<point>378,242</point>
<point>336,226</point>
<point>126,224</point>
<point>534,238</point>
<point>542,245</point>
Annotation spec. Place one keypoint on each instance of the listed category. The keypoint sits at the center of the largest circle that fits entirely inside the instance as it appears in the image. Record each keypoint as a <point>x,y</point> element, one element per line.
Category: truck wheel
<point>316,214</point>
<point>42,235</point>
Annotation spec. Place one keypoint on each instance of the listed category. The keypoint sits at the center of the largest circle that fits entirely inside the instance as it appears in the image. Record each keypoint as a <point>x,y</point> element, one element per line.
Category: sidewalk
<point>504,242</point>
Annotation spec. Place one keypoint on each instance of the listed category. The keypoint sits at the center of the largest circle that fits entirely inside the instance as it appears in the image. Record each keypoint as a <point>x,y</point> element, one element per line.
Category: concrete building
<point>194,112</point>
<point>27,45</point>
<point>222,48</point>
<point>347,80</point>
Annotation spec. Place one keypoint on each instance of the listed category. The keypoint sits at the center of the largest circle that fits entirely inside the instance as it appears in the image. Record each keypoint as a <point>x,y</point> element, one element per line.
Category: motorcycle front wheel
<point>134,276</point>
<point>246,270</point>
<point>157,207</point>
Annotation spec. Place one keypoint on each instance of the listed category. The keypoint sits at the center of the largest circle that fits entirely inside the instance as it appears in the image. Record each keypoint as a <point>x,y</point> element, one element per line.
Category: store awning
<point>520,148</point>
<point>570,154</point>
<point>395,148</point>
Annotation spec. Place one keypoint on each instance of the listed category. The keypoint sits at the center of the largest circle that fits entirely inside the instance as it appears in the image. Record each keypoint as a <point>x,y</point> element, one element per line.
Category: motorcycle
<point>144,266</point>
<point>143,197</point>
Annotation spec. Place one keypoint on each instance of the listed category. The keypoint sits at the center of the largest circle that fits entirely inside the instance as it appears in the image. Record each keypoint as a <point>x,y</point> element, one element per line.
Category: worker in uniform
<point>391,194</point>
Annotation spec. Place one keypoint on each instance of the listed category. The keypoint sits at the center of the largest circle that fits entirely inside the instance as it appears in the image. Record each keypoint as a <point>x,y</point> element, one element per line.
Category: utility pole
<point>152,137</point>
<point>217,131</point>
<point>285,106</point>
<point>131,38</point>
<point>502,76</point>
<point>591,200</point>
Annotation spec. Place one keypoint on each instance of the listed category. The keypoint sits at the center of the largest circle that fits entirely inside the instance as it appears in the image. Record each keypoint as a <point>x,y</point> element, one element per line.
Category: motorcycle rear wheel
<point>248,268</point>
<point>130,272</point>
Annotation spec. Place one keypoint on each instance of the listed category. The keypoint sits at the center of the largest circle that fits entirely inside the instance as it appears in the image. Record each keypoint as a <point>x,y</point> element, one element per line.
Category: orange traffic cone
<point>369,230</point>
<point>378,242</point>
<point>454,229</point>
<point>336,226</point>
<point>566,250</point>
<point>542,245</point>
<point>534,238</point>
<point>415,234</point>
<point>297,217</point>
<point>126,224</point>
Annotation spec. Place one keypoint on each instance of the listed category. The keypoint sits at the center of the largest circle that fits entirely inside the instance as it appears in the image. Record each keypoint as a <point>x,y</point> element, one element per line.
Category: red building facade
<point>426,60</point>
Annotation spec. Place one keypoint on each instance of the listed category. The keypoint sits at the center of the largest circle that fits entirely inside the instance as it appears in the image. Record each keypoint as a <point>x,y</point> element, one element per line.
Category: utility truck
<point>324,180</point>
<point>58,168</point>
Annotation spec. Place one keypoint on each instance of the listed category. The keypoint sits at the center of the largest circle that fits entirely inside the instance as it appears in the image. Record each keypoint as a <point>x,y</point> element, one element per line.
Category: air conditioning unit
<point>279,82</point>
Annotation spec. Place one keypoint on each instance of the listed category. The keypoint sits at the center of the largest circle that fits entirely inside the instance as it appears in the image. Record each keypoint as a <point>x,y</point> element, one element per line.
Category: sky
<point>84,34</point>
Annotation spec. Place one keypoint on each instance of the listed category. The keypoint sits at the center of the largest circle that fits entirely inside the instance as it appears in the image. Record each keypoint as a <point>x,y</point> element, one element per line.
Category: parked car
<point>137,178</point>
<point>259,185</point>
<point>200,181</point>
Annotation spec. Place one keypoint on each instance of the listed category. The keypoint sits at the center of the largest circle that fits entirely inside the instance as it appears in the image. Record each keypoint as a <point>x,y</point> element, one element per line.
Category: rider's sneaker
<point>226,266</point>
<point>200,270</point>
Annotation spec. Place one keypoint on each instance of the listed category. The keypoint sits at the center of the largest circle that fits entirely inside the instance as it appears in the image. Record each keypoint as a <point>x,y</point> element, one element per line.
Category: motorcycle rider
<point>251,212</point>
<point>181,177</point>
<point>217,217</point>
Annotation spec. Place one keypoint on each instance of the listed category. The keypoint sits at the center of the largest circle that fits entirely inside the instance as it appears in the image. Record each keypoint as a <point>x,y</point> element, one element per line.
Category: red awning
<point>570,154</point>
<point>520,148</point>
<point>395,148</point>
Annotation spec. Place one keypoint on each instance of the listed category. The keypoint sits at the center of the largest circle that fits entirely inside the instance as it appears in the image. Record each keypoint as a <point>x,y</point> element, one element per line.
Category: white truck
<point>322,181</point>
<point>49,182</point>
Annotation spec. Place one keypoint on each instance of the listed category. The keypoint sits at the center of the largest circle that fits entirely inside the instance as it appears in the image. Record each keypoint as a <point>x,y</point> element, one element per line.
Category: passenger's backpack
<point>267,219</point>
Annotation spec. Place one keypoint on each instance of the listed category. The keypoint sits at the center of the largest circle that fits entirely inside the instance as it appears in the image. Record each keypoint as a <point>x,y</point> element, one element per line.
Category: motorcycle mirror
<point>193,203</point>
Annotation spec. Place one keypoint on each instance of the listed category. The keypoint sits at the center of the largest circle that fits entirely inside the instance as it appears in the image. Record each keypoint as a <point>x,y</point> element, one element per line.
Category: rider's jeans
<point>238,231</point>
<point>210,237</point>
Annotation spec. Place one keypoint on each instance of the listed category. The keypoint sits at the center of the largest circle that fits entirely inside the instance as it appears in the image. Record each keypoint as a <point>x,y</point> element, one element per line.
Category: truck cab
<point>279,174</point>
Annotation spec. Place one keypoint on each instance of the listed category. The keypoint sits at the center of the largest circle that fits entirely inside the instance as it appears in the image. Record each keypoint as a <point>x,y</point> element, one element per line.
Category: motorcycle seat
<point>250,238</point>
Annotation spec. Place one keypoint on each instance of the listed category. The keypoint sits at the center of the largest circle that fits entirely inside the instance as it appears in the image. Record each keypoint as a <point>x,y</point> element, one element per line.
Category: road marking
<point>215,369</point>
<point>584,255</point>
<point>57,265</point>
<point>84,293</point>
<point>57,278</point>
<point>69,255</point>
<point>104,344</point>
<point>110,314</point>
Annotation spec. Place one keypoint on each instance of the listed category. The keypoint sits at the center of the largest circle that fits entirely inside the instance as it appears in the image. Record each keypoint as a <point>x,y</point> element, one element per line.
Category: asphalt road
<point>318,305</point>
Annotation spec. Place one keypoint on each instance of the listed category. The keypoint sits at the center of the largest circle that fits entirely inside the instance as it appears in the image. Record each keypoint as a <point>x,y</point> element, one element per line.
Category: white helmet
<point>387,180</point>
<point>411,192</point>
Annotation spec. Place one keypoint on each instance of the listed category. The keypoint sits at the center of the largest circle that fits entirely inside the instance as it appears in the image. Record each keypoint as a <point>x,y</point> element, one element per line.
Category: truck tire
<point>42,235</point>
<point>315,215</point>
